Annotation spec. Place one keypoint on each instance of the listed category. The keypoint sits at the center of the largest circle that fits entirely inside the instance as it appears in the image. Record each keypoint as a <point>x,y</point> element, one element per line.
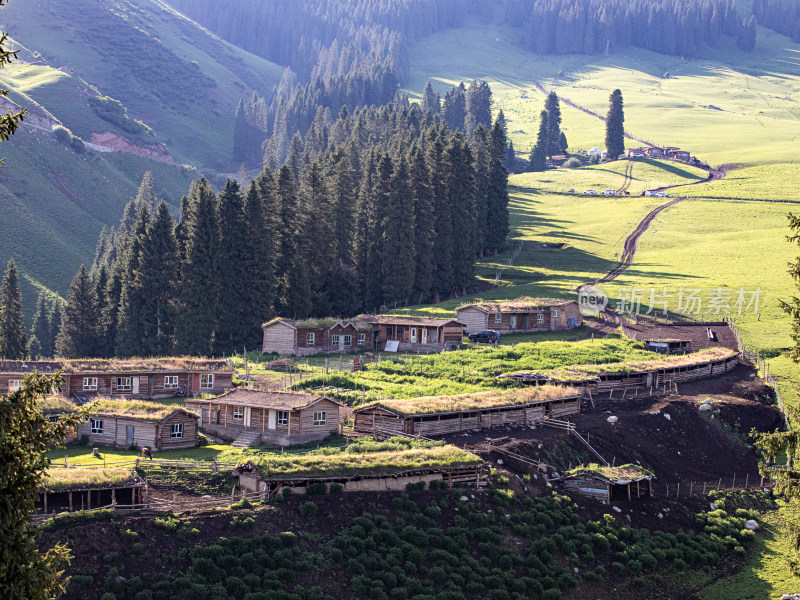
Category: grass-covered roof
<point>173,363</point>
<point>622,473</point>
<point>478,400</point>
<point>138,409</point>
<point>517,304</point>
<point>55,404</point>
<point>350,464</point>
<point>100,477</point>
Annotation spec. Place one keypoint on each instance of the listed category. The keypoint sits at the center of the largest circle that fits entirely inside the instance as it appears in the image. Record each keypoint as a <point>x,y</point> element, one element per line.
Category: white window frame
<point>238,413</point>
<point>176,430</point>
<point>282,418</point>
<point>335,339</point>
<point>14,385</point>
<point>362,339</point>
<point>170,382</point>
<point>498,317</point>
<point>348,340</point>
<point>206,381</point>
<point>90,384</point>
<point>311,338</point>
<point>96,426</point>
<point>512,322</point>
<point>320,418</point>
<point>121,387</point>
<point>540,317</point>
<point>555,312</point>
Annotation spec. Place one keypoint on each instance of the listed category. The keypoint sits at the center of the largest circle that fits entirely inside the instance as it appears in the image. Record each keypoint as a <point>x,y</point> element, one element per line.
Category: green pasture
<point>768,182</point>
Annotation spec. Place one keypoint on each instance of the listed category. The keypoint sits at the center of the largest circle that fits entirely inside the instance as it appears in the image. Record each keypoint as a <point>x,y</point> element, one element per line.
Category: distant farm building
<point>252,417</point>
<point>606,483</point>
<point>677,153</point>
<point>366,332</point>
<point>441,415</point>
<point>521,315</point>
<point>140,424</point>
<point>134,378</point>
<point>668,346</point>
<point>78,489</point>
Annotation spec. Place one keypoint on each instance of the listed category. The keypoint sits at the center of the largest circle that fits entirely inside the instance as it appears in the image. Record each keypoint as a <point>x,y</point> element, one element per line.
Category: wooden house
<point>140,424</point>
<point>133,378</point>
<point>668,346</point>
<point>315,336</point>
<point>252,417</point>
<point>607,484</point>
<point>68,490</point>
<point>441,415</point>
<point>420,334</point>
<point>677,153</point>
<point>521,315</point>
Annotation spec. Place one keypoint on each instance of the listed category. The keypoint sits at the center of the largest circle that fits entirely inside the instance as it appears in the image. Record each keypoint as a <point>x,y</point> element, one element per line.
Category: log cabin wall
<point>474,318</point>
<point>279,338</point>
<point>165,441</point>
<point>588,485</point>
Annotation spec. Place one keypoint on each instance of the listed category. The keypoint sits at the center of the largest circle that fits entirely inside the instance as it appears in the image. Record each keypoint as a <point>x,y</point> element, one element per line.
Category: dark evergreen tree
<point>366,234</point>
<point>424,225</point>
<point>443,276</point>
<point>317,205</point>
<point>79,334</point>
<point>478,107</point>
<point>538,157</point>
<point>431,102</point>
<point>159,277</point>
<point>340,288</point>
<point>398,238</point>
<point>460,184</point>
<point>147,193</point>
<point>454,109</point>
<point>553,109</point>
<point>130,319</point>
<point>13,339</point>
<point>481,148</point>
<point>615,128</point>
<point>40,331</point>
<point>563,143</point>
<point>198,297</point>
<point>497,196</point>
<point>56,320</point>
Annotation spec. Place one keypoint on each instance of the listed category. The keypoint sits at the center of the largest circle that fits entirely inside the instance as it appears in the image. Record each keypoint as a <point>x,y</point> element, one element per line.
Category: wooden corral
<point>280,418</point>
<point>521,315</point>
<point>641,375</point>
<point>140,424</point>
<point>442,415</point>
<point>609,483</point>
<point>68,490</point>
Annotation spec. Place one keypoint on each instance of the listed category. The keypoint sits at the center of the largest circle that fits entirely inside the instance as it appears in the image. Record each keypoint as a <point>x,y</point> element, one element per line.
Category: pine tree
<point>232,322</point>
<point>430,100</point>
<point>147,193</point>
<point>615,128</point>
<point>110,315</point>
<point>497,195</point>
<point>199,293</point>
<point>460,185</point>
<point>553,109</point>
<point>538,157</point>
<point>423,227</point>
<point>159,278</point>
<point>40,331</point>
<point>130,320</point>
<point>563,143</point>
<point>79,335</point>
<point>13,339</point>
<point>398,237</point>
<point>56,321</point>
<point>319,232</point>
<point>366,227</point>
<point>443,224</point>
<point>454,109</point>
<point>340,286</point>
<point>478,107</point>
<point>481,152</point>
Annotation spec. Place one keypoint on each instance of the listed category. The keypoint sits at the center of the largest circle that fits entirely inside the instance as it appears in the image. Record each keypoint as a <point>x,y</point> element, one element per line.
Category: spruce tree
<point>232,323</point>
<point>319,232</point>
<point>423,227</point>
<point>460,185</point>
<point>398,238</point>
<point>340,288</point>
<point>443,224</point>
<point>79,335</point>
<point>615,128</point>
<point>481,152</point>
<point>56,321</point>
<point>478,107</point>
<point>110,315</point>
<point>159,277</point>
<point>13,339</point>
<point>41,329</point>
<point>130,320</point>
<point>497,196</point>
<point>538,157</point>
<point>147,193</point>
<point>454,109</point>
<point>366,226</point>
<point>553,109</point>
<point>198,296</point>
<point>430,100</point>
<point>563,143</point>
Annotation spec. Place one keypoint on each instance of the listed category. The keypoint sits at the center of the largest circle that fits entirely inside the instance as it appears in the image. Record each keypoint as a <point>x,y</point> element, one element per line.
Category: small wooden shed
<point>668,346</point>
<point>605,483</point>
<point>441,415</point>
<point>79,489</point>
<point>140,424</point>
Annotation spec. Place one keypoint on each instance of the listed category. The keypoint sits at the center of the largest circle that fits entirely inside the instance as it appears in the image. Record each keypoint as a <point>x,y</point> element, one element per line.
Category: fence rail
<point>189,465</point>
<point>701,488</point>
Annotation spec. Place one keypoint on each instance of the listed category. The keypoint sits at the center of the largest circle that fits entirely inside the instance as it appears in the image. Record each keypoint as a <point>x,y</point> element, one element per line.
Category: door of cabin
<point>135,385</point>
<point>424,335</point>
<point>413,335</point>
<point>271,419</point>
<point>129,435</point>
<point>248,412</point>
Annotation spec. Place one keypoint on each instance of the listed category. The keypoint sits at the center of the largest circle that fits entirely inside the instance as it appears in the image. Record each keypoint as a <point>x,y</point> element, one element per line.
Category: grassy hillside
<point>170,74</point>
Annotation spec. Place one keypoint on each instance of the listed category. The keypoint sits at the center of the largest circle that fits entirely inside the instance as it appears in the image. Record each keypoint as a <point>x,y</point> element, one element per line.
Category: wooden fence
<point>188,465</point>
<point>728,483</point>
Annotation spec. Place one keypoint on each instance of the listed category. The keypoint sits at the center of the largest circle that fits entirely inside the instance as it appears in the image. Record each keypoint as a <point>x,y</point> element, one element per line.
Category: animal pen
<point>441,415</point>
<point>607,483</point>
<point>69,490</point>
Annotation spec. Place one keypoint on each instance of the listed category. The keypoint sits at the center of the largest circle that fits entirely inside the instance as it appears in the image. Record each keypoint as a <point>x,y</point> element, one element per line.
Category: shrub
<point>308,510</point>
<point>168,523</point>
<point>243,503</point>
<point>239,522</point>
<point>102,514</point>
<point>108,596</point>
<point>129,535</point>
<point>317,489</point>
<point>335,488</point>
<point>572,163</point>
<point>81,580</point>
<point>287,491</point>
<point>551,594</point>
<point>415,487</point>
<point>143,595</point>
<point>111,558</point>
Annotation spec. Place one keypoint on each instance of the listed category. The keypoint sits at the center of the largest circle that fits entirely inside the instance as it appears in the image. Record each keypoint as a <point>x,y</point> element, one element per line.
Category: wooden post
<point>746,480</point>
<point>638,491</point>
<point>629,490</point>
<point>44,495</point>
<point>678,490</point>
<point>734,481</point>
<point>704,489</point>
<point>88,499</point>
<point>70,501</point>
<point>113,497</point>
<point>691,488</point>
<point>719,484</point>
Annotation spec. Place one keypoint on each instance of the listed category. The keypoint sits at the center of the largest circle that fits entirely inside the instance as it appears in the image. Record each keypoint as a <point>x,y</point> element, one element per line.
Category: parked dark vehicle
<point>488,336</point>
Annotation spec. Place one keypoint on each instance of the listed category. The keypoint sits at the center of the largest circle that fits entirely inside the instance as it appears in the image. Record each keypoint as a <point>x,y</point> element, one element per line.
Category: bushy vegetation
<point>112,110</point>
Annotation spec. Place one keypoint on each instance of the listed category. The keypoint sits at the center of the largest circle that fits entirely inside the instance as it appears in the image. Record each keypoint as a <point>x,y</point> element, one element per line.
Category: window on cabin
<point>311,338</point>
<point>14,385</point>
<point>124,384</point>
<point>283,417</point>
<point>320,418</point>
<point>176,430</point>
<point>96,425</point>
<point>555,312</point>
<point>348,340</point>
<point>206,381</point>
<point>170,381</point>
<point>362,339</point>
<point>513,321</point>
<point>238,412</point>
<point>498,317</point>
<point>90,384</point>
<point>335,339</point>
<point>540,318</point>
